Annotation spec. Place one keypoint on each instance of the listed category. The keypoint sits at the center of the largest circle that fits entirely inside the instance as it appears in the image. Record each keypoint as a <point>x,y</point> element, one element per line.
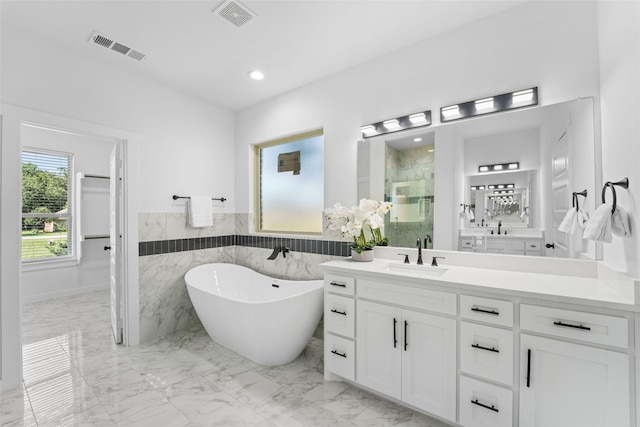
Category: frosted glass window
<point>291,184</point>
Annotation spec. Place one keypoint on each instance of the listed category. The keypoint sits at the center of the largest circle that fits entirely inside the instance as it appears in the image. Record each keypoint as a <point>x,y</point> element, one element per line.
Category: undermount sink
<point>423,270</point>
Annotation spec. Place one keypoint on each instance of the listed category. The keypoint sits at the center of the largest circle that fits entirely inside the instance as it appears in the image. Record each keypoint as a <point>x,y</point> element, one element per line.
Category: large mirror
<point>444,194</point>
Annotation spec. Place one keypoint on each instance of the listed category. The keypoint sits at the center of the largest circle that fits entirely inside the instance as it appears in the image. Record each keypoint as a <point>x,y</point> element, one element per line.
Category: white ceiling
<point>190,48</point>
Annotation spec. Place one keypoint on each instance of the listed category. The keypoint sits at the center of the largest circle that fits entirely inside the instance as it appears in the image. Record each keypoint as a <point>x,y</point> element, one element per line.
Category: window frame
<point>258,180</point>
<point>60,260</point>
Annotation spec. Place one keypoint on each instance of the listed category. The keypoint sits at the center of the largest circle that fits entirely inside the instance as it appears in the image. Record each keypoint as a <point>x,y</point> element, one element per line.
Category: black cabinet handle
<point>567,325</point>
<point>528,368</point>
<point>395,335</point>
<point>480,310</point>
<point>344,313</point>
<point>550,246</point>
<point>491,408</point>
<point>107,248</point>
<point>342,285</point>
<point>478,346</point>
<point>405,335</point>
<point>339,354</point>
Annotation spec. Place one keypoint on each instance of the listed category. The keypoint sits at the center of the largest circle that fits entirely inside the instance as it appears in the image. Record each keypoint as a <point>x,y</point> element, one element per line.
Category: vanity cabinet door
<point>378,347</point>
<point>429,363</point>
<point>564,385</point>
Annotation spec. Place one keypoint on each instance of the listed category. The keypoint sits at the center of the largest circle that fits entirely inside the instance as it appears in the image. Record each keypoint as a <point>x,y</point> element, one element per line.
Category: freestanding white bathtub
<point>266,320</point>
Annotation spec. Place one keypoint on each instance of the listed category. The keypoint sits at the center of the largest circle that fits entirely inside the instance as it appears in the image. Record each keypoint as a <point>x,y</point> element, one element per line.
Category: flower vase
<point>364,256</point>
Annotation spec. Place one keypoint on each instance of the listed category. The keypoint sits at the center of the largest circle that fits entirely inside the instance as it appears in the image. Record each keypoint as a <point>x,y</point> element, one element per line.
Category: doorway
<point>14,120</point>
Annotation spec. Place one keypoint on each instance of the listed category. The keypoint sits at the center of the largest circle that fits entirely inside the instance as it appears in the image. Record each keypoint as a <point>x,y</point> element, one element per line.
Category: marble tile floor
<point>73,375</point>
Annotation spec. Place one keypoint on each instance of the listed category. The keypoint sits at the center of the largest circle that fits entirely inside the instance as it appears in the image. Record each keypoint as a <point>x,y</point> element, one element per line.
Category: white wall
<point>189,143</point>
<point>619,45</point>
<point>552,45</point>
<point>91,156</point>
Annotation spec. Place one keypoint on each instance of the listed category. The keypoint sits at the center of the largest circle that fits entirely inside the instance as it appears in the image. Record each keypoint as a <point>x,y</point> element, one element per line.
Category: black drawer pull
<point>342,285</point>
<point>495,350</point>
<point>480,310</point>
<point>405,335</point>
<point>344,313</point>
<point>567,325</point>
<point>491,408</point>
<point>339,354</point>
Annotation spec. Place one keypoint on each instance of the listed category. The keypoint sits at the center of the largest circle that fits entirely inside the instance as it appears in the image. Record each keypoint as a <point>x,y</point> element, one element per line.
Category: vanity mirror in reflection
<point>441,187</point>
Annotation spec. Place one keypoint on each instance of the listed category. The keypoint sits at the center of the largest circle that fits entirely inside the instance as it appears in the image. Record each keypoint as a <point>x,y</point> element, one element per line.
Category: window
<point>290,184</point>
<point>46,205</point>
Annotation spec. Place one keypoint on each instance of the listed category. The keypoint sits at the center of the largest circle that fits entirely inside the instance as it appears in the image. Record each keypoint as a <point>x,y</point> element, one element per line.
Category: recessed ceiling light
<point>256,75</point>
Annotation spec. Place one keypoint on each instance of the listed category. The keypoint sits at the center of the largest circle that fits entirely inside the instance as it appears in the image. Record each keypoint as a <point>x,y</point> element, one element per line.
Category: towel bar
<point>174,197</point>
<point>624,183</point>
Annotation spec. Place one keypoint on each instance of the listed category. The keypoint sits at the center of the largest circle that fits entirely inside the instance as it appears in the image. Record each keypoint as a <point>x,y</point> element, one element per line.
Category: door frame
<point>12,119</point>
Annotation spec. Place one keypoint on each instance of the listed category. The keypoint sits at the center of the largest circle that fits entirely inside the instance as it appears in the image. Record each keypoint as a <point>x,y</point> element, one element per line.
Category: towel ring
<point>574,203</point>
<point>624,183</point>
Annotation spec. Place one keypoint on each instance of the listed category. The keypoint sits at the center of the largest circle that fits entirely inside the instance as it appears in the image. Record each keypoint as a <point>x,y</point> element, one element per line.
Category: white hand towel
<point>598,227</point>
<point>200,211</point>
<point>472,216</point>
<point>620,225</point>
<point>568,224</point>
<point>582,218</point>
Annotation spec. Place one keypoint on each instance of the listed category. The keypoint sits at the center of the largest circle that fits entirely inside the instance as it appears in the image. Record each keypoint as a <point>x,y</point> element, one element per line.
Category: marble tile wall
<point>168,248</point>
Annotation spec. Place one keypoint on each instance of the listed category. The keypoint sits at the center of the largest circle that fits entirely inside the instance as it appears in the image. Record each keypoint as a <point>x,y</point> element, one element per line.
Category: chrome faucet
<point>419,244</point>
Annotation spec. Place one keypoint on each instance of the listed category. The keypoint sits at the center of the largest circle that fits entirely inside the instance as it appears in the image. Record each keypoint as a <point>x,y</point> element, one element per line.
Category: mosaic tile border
<point>311,246</point>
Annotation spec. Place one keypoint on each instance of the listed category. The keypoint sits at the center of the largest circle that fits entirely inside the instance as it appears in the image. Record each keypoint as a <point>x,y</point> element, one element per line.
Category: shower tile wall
<point>411,165</point>
<point>169,248</point>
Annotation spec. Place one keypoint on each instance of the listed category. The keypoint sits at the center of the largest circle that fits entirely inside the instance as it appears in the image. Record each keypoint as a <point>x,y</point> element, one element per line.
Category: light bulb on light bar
<point>484,169</point>
<point>522,97</point>
<point>452,111</point>
<point>497,167</point>
<point>391,124</point>
<point>418,118</point>
<point>368,130</point>
<point>484,104</point>
<point>514,166</point>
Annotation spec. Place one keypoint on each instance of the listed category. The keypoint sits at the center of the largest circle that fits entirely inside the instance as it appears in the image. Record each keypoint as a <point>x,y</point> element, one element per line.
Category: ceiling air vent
<point>103,41</point>
<point>235,12</point>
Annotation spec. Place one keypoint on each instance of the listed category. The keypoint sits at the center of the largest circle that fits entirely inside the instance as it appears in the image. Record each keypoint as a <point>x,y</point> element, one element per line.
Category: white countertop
<point>549,287</point>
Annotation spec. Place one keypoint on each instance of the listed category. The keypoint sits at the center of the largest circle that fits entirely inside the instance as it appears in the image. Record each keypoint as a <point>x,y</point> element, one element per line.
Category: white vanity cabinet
<point>476,356</point>
<point>568,384</point>
<point>408,355</point>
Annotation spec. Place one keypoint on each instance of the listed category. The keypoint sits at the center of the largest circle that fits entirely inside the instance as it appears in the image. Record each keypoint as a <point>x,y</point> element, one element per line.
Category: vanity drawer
<point>408,296</point>
<point>486,352</point>
<point>532,245</point>
<point>488,310</point>
<point>343,285</point>
<point>339,315</point>
<point>484,405</point>
<point>590,327</point>
<point>466,243</point>
<point>340,356</point>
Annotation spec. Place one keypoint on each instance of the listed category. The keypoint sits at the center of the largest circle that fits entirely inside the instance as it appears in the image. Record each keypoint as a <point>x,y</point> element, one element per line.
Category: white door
<point>561,198</point>
<point>115,243</point>
<point>429,363</point>
<point>378,347</point>
<point>570,385</point>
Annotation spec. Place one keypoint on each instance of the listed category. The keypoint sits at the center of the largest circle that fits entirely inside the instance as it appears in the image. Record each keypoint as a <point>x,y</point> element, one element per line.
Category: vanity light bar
<point>499,167</point>
<point>500,186</point>
<point>503,192</point>
<point>477,187</point>
<point>493,104</point>
<point>411,121</point>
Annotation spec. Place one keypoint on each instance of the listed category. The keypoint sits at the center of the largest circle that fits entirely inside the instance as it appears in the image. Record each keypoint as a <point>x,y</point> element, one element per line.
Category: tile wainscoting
<point>168,248</point>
